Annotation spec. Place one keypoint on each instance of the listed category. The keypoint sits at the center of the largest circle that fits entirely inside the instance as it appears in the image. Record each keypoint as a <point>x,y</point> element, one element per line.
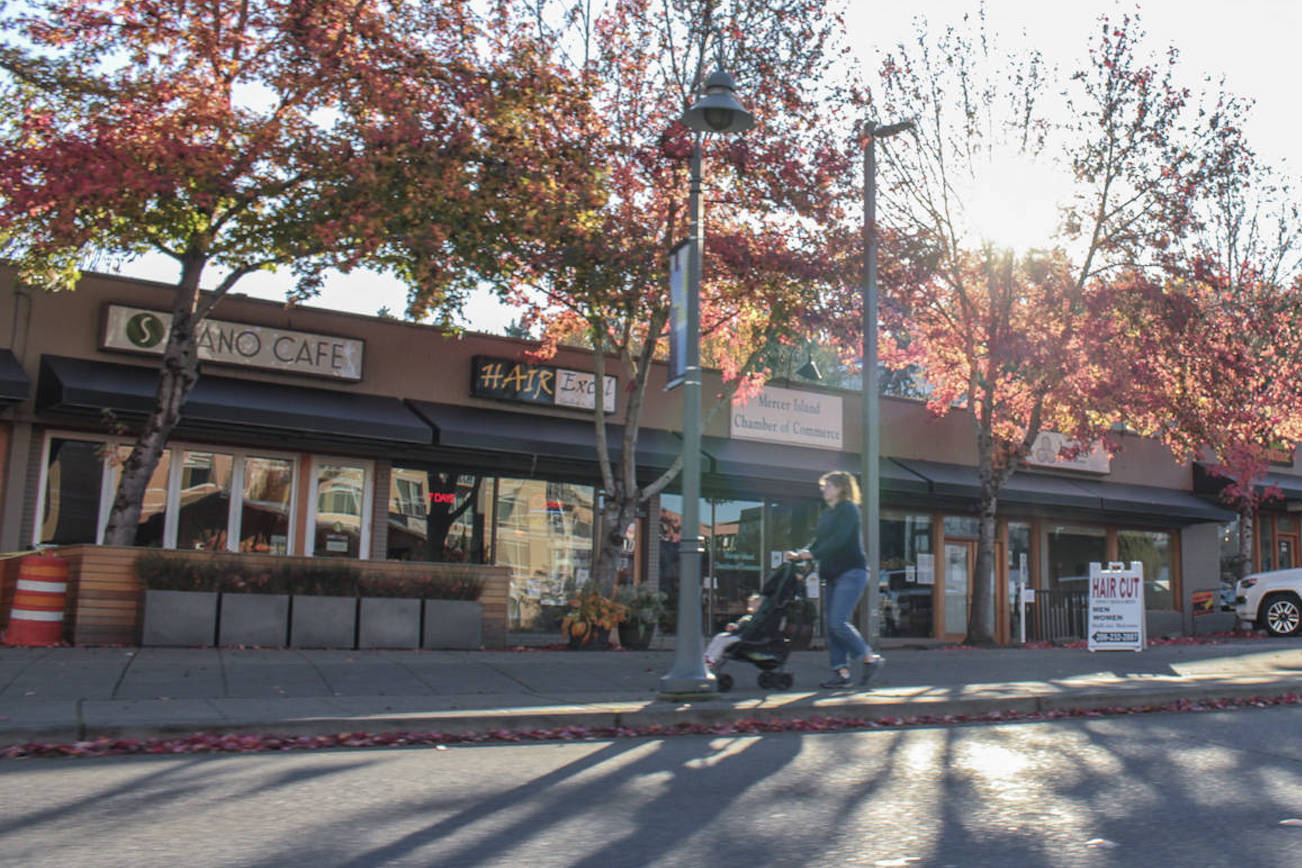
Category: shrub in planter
<point>451,586</point>
<point>643,609</point>
<point>591,617</point>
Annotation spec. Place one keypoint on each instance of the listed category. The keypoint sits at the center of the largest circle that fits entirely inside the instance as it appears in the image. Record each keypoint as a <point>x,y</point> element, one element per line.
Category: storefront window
<point>74,473</point>
<point>1153,550</point>
<point>264,515</point>
<point>199,501</point>
<point>908,575</point>
<point>153,509</point>
<point>437,515</point>
<point>544,534</point>
<point>733,538</point>
<point>1071,551</point>
<point>340,505</point>
<point>205,501</point>
<point>1266,531</point>
<point>962,525</point>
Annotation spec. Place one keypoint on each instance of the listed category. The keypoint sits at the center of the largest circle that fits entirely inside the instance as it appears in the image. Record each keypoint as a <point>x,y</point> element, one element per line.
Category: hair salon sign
<point>509,380</point>
<point>139,330</point>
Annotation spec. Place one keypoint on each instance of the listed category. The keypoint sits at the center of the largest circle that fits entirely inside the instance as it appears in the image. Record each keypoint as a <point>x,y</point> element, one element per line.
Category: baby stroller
<point>762,641</point>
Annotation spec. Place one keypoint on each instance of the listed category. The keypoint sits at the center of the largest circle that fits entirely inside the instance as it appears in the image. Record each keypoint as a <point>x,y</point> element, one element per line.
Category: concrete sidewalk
<point>74,694</point>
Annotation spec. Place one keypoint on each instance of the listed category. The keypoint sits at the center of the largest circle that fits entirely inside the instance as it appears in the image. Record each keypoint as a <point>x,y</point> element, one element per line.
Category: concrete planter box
<point>388,622</point>
<point>179,618</point>
<point>453,624</point>
<point>323,622</point>
<point>254,619</point>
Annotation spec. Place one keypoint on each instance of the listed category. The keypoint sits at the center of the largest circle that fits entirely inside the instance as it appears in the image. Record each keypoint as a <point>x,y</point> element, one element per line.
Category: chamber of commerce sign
<point>138,330</point>
<point>791,417</point>
<point>509,380</point>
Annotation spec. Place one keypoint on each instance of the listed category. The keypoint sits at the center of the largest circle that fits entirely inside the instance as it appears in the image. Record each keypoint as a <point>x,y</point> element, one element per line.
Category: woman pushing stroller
<point>838,548</point>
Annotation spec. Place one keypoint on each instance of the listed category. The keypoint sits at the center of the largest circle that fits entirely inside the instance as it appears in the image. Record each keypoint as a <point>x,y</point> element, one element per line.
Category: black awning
<point>1045,492</point>
<point>798,465</point>
<point>87,388</point>
<point>1149,500</point>
<point>1288,485</point>
<point>483,428</point>
<point>15,385</point>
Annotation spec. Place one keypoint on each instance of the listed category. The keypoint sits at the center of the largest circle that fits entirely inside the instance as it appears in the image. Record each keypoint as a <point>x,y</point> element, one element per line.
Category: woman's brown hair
<point>845,483</point>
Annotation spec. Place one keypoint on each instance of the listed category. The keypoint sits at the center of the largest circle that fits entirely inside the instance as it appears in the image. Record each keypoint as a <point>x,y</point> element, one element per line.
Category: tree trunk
<point>980,622</point>
<point>178,374</point>
<point>617,513</point>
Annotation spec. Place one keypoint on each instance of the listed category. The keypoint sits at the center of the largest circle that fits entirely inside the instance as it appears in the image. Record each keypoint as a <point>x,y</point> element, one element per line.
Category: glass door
<point>960,562</point>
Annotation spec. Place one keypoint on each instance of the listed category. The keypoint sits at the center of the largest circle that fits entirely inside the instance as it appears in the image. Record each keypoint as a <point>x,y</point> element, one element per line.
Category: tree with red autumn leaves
<point>1011,338</point>
<point>242,136</point>
<point>593,270</point>
<point>1204,354</point>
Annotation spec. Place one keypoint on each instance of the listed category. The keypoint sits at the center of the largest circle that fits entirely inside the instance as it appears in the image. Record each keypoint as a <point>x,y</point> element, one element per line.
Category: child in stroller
<point>732,633</point>
<point>761,640</point>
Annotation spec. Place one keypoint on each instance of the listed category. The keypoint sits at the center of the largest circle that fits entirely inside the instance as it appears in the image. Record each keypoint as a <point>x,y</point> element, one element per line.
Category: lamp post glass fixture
<point>716,112</point>
<point>872,539</point>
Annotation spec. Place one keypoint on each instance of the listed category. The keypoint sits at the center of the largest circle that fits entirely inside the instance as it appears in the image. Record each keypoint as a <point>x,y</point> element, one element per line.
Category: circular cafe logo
<point>144,330</point>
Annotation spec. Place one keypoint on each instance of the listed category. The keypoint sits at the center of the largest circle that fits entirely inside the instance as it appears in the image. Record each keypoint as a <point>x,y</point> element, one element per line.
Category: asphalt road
<point>1205,789</point>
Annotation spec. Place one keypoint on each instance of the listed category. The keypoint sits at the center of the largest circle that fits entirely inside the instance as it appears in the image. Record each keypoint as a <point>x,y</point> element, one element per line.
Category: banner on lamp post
<point>678,259</point>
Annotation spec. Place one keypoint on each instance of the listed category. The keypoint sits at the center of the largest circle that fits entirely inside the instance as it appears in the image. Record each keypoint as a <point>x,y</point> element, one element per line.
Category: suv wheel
<point>1281,614</point>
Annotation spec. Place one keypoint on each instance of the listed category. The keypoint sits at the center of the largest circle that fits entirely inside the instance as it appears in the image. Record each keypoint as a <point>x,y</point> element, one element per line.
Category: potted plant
<point>643,608</point>
<point>591,617</point>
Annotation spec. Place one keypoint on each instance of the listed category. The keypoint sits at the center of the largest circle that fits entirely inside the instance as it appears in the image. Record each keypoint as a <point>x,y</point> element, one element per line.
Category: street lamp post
<point>718,111</point>
<point>868,620</point>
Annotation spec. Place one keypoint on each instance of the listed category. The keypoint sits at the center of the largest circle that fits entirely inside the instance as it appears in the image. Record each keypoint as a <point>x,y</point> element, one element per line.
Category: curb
<point>667,716</point>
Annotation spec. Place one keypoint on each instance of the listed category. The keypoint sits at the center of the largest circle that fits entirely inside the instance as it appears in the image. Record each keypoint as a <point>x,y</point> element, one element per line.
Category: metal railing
<point>1058,615</point>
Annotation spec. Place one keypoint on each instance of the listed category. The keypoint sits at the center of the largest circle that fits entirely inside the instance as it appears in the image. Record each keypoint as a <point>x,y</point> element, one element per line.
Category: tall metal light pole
<point>872,540</point>
<point>718,111</point>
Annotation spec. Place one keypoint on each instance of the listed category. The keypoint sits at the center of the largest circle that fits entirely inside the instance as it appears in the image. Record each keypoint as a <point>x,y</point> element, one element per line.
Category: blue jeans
<point>843,640</point>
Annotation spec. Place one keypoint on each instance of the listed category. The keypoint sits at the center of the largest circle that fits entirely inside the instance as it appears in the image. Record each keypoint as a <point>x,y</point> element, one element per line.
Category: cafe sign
<point>508,380</point>
<point>139,330</point>
<point>790,417</point>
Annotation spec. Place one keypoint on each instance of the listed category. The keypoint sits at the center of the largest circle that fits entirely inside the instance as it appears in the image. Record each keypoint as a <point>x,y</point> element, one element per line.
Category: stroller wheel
<point>766,681</point>
<point>785,680</point>
<point>723,681</point>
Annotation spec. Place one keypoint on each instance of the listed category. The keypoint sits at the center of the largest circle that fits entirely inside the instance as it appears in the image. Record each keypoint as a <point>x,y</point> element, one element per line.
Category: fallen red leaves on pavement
<point>214,743</point>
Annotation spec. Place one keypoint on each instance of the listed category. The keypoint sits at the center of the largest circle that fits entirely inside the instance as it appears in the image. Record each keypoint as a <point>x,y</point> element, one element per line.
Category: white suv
<point>1271,600</point>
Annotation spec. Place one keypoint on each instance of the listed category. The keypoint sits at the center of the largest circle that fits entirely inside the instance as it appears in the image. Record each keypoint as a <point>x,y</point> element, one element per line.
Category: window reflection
<point>437,516</point>
<point>73,474</point>
<point>205,501</point>
<point>340,495</point>
<point>1153,549</point>
<point>1071,551</point>
<point>544,535</point>
<point>264,515</point>
<point>908,575</point>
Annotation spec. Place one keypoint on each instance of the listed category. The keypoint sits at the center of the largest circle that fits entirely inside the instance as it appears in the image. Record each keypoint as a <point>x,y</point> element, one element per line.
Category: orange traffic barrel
<point>36,617</point>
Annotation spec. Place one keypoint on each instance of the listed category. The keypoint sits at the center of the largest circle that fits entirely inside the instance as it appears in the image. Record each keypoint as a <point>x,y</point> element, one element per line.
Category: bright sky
<point>1250,42</point>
